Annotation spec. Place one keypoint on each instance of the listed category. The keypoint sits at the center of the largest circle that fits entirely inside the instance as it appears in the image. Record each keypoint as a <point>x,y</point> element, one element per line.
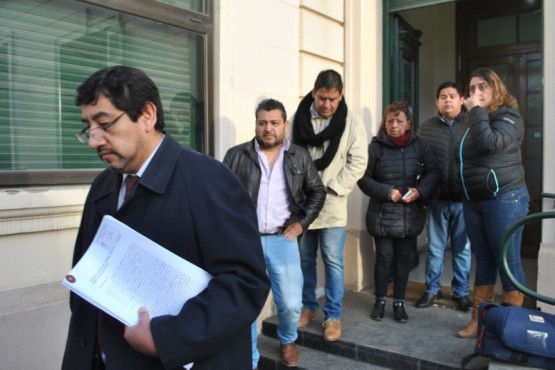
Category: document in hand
<point>123,270</point>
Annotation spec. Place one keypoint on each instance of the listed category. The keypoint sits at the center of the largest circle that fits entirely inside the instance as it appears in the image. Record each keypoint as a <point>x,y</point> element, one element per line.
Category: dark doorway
<point>404,63</point>
<point>459,36</point>
<point>506,37</point>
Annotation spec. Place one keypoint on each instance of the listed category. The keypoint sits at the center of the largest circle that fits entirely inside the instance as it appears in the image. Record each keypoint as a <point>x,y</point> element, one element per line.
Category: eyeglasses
<point>86,133</point>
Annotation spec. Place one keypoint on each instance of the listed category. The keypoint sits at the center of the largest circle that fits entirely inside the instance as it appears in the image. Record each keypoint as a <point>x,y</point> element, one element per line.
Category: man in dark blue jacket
<point>288,194</point>
<point>184,201</point>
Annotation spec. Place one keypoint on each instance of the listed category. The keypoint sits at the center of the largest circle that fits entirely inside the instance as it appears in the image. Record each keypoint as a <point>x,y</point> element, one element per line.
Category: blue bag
<point>518,335</point>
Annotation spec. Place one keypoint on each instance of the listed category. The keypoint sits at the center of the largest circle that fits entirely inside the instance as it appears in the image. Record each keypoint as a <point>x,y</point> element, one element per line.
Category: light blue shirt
<point>273,203</point>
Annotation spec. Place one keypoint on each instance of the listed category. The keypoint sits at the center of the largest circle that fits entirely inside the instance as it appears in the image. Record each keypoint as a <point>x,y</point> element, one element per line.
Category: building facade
<point>213,61</point>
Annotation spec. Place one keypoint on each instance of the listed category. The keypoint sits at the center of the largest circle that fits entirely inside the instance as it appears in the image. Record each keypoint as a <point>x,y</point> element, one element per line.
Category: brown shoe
<point>332,330</point>
<point>289,354</point>
<point>306,317</point>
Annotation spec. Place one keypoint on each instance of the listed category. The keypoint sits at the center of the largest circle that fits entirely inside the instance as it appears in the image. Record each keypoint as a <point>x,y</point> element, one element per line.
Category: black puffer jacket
<point>489,153</point>
<point>306,191</point>
<point>392,167</point>
<point>442,140</point>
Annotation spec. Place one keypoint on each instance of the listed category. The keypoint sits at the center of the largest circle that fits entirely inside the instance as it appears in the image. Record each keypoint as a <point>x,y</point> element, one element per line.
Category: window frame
<point>199,23</point>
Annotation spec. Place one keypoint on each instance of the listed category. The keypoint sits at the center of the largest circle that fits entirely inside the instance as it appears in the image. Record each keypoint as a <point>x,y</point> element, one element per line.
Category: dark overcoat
<point>195,207</point>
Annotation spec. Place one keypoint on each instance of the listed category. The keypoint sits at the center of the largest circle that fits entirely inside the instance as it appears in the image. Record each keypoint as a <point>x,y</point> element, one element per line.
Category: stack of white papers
<point>123,270</point>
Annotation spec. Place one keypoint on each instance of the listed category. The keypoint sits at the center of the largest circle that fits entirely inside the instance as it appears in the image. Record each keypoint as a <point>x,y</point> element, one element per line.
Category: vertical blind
<point>48,48</point>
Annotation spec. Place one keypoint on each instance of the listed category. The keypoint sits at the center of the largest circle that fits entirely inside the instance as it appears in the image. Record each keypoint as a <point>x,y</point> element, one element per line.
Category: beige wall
<point>37,230</point>
<point>257,45</point>
<point>363,80</point>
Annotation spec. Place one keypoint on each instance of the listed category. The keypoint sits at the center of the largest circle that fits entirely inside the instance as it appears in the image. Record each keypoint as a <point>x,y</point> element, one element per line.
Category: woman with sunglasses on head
<point>495,193</point>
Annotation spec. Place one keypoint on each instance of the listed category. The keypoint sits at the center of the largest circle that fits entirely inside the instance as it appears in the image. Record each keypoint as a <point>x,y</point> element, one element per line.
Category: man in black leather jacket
<point>286,189</point>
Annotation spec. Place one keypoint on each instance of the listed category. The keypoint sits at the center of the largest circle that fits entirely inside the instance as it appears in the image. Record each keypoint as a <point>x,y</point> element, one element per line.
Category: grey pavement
<point>33,327</point>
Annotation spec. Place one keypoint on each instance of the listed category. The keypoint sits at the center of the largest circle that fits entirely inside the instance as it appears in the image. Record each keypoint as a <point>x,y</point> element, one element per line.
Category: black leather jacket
<point>306,191</point>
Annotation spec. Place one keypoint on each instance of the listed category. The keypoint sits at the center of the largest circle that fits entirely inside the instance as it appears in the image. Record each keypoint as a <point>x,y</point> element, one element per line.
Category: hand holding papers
<point>123,270</point>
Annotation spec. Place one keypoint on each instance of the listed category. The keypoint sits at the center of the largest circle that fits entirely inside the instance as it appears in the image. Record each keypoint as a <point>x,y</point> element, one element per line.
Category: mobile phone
<point>407,194</point>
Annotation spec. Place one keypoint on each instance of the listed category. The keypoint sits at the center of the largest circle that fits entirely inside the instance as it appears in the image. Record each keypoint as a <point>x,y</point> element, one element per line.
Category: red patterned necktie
<point>131,182</point>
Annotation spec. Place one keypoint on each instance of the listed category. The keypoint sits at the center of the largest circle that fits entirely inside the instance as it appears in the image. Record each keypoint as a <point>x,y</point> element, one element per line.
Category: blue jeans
<point>332,243</point>
<point>286,279</point>
<point>487,222</point>
<point>255,353</point>
<point>445,221</point>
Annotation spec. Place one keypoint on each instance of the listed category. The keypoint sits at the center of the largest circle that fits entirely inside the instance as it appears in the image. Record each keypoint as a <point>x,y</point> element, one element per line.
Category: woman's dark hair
<point>500,96</point>
<point>397,107</point>
<point>128,88</point>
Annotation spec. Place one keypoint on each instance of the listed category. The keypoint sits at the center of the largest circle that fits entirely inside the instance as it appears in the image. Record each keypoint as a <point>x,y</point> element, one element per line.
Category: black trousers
<point>393,255</point>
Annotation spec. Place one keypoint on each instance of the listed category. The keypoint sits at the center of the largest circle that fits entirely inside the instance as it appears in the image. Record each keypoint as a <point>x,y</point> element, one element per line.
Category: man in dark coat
<point>445,218</point>
<point>188,203</point>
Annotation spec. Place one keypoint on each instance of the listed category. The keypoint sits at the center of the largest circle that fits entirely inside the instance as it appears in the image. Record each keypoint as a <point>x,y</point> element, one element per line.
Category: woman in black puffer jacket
<point>401,176</point>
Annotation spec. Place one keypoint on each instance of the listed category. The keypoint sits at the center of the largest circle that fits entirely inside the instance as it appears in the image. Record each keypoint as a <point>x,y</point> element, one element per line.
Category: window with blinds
<point>47,48</point>
<point>194,5</point>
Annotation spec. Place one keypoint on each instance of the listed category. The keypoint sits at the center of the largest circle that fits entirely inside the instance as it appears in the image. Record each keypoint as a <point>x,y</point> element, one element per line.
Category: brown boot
<point>514,298</point>
<point>306,317</point>
<point>482,293</point>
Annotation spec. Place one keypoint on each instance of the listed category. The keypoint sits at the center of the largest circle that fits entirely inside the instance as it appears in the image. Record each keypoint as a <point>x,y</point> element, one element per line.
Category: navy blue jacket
<point>195,207</point>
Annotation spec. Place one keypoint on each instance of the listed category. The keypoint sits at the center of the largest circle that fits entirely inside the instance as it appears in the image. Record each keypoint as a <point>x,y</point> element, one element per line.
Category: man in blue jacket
<point>286,189</point>
<point>188,203</point>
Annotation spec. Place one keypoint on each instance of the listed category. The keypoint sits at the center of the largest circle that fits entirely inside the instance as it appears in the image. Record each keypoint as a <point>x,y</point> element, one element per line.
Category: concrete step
<point>309,359</point>
<point>426,342</point>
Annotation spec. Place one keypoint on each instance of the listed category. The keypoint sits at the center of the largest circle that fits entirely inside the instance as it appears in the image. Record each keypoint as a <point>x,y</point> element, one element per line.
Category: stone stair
<point>310,358</point>
<point>426,342</point>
